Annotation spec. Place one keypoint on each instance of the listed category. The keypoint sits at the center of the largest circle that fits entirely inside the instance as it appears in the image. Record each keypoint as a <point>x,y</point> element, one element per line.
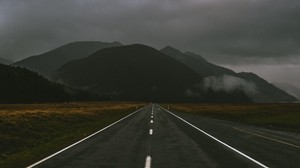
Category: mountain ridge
<point>196,62</point>
<point>46,63</point>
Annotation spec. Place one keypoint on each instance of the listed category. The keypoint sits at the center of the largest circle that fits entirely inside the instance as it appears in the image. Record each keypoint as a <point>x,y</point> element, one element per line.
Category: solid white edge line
<point>221,142</point>
<point>148,162</point>
<point>68,147</point>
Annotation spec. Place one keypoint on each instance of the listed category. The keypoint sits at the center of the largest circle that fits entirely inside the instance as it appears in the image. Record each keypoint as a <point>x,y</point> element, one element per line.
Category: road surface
<point>155,137</point>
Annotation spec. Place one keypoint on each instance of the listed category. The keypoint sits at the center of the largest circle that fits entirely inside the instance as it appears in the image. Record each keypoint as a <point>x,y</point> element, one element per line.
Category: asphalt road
<point>157,138</point>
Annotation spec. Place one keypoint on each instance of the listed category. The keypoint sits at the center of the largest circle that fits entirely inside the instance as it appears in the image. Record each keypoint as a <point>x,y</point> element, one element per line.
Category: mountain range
<point>142,73</point>
<point>139,73</point>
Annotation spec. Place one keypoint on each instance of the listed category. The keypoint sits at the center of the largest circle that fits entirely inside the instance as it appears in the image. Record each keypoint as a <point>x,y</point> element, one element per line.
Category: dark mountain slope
<point>48,62</point>
<point>289,88</point>
<point>265,92</point>
<point>18,85</point>
<point>5,61</point>
<point>138,72</point>
<point>196,62</point>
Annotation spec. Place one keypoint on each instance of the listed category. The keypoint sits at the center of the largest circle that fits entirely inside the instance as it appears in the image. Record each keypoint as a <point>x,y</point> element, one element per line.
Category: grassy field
<point>275,116</point>
<point>30,132</point>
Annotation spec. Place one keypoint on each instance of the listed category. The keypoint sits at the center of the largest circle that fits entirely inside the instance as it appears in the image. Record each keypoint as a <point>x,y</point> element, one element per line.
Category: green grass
<point>31,132</point>
<point>276,116</point>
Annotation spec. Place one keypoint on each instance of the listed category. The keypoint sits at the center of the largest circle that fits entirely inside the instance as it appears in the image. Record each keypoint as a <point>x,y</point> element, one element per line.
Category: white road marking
<point>148,162</point>
<point>221,142</point>
<point>151,131</point>
<point>68,147</point>
<point>272,139</point>
<point>151,121</point>
<point>151,116</point>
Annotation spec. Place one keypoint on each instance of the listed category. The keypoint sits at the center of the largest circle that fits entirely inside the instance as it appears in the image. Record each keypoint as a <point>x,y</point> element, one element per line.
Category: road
<point>155,137</point>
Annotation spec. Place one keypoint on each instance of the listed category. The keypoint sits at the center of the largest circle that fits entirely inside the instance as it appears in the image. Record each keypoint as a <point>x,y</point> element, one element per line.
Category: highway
<point>158,138</point>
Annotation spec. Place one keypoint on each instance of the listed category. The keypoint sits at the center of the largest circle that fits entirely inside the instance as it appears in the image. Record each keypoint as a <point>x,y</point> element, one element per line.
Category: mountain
<point>48,62</point>
<point>139,73</point>
<point>266,92</point>
<point>5,61</point>
<point>196,62</point>
<point>19,85</point>
<point>220,78</point>
<point>289,88</point>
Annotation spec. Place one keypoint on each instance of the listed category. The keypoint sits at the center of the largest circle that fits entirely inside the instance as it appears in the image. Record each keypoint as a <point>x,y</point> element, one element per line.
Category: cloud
<point>223,31</point>
<point>228,84</point>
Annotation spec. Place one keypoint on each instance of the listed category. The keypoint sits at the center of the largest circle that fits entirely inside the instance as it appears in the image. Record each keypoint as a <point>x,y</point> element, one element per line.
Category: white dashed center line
<point>148,162</point>
<point>151,121</point>
<point>151,116</point>
<point>151,131</point>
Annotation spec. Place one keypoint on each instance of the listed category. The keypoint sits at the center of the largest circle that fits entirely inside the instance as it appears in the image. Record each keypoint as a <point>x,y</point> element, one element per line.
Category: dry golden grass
<point>29,132</point>
<point>70,108</point>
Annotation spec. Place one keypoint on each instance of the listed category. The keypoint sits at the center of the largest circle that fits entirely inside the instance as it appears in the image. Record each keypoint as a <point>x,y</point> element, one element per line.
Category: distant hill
<point>258,89</point>
<point>266,92</point>
<point>5,61</point>
<point>289,88</point>
<point>48,62</point>
<point>18,85</point>
<point>139,73</point>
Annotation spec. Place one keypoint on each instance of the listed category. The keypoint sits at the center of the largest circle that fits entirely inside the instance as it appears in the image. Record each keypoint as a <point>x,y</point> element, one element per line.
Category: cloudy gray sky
<point>246,35</point>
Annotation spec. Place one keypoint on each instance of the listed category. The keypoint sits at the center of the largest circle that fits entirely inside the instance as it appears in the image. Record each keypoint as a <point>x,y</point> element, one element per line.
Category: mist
<point>229,84</point>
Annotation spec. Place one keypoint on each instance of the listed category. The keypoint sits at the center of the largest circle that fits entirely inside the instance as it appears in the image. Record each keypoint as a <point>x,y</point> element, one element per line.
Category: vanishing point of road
<point>158,138</point>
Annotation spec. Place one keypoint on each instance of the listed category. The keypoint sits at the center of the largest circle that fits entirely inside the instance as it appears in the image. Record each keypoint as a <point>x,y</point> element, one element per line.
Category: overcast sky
<point>246,35</point>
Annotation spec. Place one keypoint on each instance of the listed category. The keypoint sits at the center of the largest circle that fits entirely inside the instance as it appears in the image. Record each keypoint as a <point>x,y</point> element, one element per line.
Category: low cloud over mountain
<point>229,84</point>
